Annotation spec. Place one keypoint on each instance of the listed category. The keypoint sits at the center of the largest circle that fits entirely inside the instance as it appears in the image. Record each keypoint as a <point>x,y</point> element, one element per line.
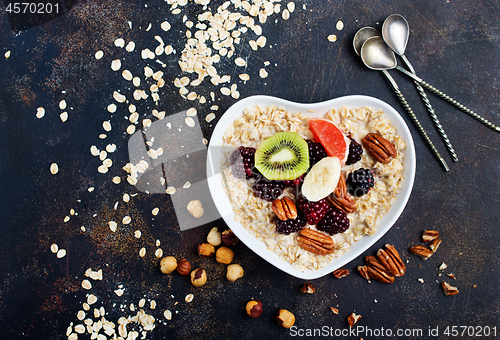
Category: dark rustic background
<point>454,45</point>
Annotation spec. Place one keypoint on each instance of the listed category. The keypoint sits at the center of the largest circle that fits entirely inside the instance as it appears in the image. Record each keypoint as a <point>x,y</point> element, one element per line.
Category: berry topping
<point>355,152</point>
<point>360,182</point>
<point>268,190</point>
<point>313,211</point>
<point>294,183</point>
<point>316,152</point>
<point>242,162</point>
<point>334,222</point>
<point>290,225</point>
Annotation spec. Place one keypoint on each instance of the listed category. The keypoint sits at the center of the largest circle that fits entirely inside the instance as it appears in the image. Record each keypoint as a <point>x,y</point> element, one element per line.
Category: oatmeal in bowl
<point>349,174</point>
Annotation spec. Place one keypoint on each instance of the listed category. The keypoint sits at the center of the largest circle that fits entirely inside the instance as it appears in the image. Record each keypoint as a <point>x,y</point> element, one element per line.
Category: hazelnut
<point>229,238</point>
<point>224,255</point>
<point>254,309</point>
<point>214,237</point>
<point>234,272</point>
<point>206,250</point>
<point>308,288</point>
<point>168,264</point>
<point>198,277</point>
<point>285,318</point>
<point>183,267</point>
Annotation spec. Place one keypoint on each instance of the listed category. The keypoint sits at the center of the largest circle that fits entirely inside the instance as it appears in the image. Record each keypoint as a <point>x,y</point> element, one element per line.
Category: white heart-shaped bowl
<point>318,109</point>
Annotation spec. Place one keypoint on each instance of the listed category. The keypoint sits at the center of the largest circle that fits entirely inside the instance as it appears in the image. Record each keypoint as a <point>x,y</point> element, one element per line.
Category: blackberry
<point>268,190</point>
<point>316,152</point>
<point>360,182</point>
<point>313,211</point>
<point>355,152</point>
<point>242,162</point>
<point>290,226</point>
<point>334,222</point>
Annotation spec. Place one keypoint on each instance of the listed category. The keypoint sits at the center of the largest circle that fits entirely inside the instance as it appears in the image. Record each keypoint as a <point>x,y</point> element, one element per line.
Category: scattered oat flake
<point>225,91</point>
<point>142,252</point>
<point>155,211</point>
<point>99,55</point>
<point>187,185</point>
<point>40,112</point>
<point>66,219</point>
<point>332,38</point>
<point>126,197</point>
<point>119,292</point>
<point>62,104</point>
<point>120,98</point>
<point>189,298</point>
<point>86,284</point>
<point>117,180</point>
<point>61,253</point>
<point>244,77</point>
<point>90,189</point>
<point>130,46</point>
<point>167,314</point>
<point>171,190</point>
<point>119,42</point>
<point>210,117</point>
<point>91,299</point>
<point>291,7</point>
<point>141,303</point>
<point>127,75</point>
<point>106,125</point>
<point>131,129</point>
<point>116,64</point>
<point>240,62</point>
<point>191,112</point>
<point>54,168</point>
<point>111,147</point>
<point>64,116</point>
<point>137,234</point>
<point>7,55</point>
<point>54,248</point>
<point>340,25</point>
<point>159,253</point>
<point>189,121</point>
<point>420,280</point>
<point>152,304</point>
<point>111,108</point>
<point>285,14</point>
<point>127,220</point>
<point>263,73</point>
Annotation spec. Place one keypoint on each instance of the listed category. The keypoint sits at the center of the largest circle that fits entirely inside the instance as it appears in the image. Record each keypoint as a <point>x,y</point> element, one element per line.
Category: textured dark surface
<point>454,45</point>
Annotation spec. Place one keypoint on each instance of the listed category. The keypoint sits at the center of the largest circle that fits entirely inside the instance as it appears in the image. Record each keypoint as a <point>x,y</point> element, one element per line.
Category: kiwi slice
<point>284,156</point>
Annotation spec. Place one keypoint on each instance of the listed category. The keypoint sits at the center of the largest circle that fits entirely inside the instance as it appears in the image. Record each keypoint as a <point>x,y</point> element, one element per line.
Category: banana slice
<point>322,179</point>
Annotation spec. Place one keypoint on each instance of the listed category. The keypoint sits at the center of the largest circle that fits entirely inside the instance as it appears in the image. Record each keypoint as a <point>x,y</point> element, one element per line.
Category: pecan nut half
<point>421,251</point>
<point>430,235</point>
<point>379,147</point>
<point>284,208</point>
<point>387,262</point>
<point>393,253</point>
<point>315,242</point>
<point>340,199</point>
<point>341,272</point>
<point>377,271</point>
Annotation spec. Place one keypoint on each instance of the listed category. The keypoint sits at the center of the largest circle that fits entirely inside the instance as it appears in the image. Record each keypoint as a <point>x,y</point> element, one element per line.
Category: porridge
<point>256,214</point>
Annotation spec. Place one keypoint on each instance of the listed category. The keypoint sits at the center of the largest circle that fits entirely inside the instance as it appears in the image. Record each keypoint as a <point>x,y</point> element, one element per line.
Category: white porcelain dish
<point>224,206</point>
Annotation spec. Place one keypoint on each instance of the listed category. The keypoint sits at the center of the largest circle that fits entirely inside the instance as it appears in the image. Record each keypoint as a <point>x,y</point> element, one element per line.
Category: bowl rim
<point>223,204</point>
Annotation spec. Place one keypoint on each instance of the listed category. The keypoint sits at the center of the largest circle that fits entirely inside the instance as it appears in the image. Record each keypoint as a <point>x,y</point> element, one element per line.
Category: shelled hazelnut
<point>285,318</point>
<point>183,267</point>
<point>205,250</point>
<point>224,255</point>
<point>254,309</point>
<point>214,237</point>
<point>234,272</point>
<point>229,238</point>
<point>198,277</point>
<point>168,264</point>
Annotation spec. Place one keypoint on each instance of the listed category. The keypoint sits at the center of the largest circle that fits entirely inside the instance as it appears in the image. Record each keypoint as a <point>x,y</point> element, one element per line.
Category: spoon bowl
<point>395,32</point>
<point>361,36</point>
<point>376,55</point>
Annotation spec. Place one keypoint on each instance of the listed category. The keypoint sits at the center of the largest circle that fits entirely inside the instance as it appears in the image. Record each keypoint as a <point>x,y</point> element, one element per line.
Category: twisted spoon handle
<point>435,119</point>
<point>449,99</point>
<point>460,106</point>
<point>421,129</point>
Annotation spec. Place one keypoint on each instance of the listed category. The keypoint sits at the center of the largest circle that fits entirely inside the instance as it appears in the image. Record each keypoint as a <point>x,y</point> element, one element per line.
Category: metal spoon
<point>395,32</point>
<point>362,36</point>
<point>376,52</point>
